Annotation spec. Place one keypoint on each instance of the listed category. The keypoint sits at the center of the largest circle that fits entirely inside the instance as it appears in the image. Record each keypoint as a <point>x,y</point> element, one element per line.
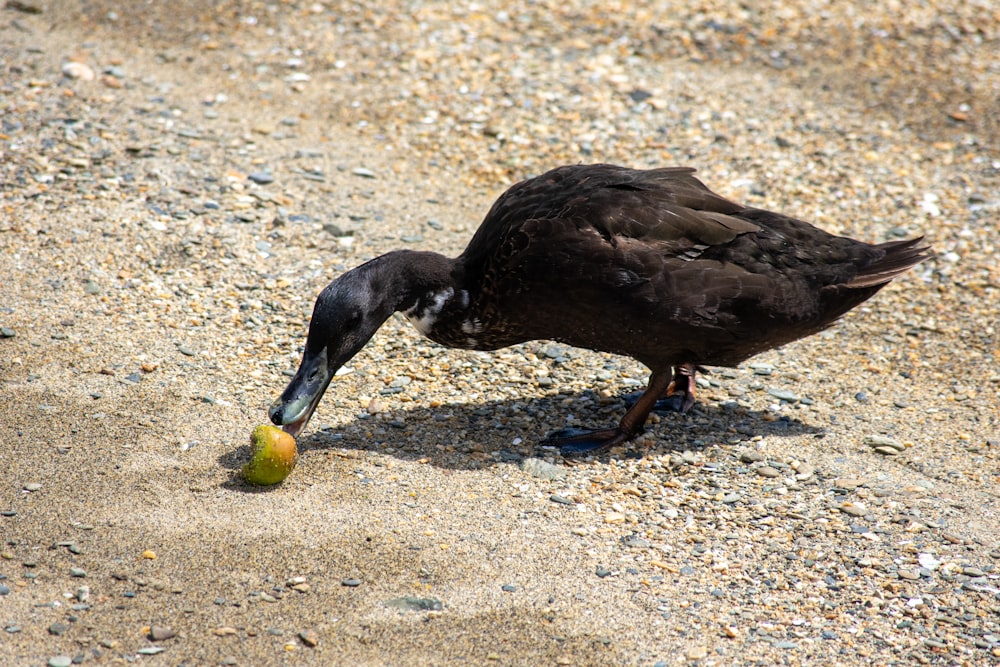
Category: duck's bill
<point>296,405</point>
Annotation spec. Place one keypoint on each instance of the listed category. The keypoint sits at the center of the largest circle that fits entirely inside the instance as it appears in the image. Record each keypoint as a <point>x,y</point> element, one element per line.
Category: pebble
<point>928,561</point>
<point>784,395</point>
<point>77,572</point>
<point>33,486</point>
<point>401,381</point>
<point>309,637</point>
<point>804,472</point>
<point>77,70</point>
<point>554,351</point>
<point>750,456</point>
<point>636,542</point>
<point>542,469</point>
<point>261,177</point>
<point>161,632</point>
<point>364,173</point>
<point>884,445</point>
<point>847,483</point>
<point>411,603</point>
<point>853,509</point>
<point>698,652</point>
<point>60,661</point>
<point>58,629</point>
<point>7,332</point>
<point>351,583</point>
<point>768,471</point>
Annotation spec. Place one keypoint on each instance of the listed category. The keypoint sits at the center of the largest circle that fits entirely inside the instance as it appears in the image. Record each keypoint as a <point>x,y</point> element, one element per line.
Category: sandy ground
<point>171,205</point>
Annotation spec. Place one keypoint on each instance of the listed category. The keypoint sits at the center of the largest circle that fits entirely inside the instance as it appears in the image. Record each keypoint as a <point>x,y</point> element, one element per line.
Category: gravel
<point>177,185</point>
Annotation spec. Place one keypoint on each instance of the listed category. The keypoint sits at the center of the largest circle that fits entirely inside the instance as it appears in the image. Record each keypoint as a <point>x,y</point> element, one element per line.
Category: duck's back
<point>654,265</point>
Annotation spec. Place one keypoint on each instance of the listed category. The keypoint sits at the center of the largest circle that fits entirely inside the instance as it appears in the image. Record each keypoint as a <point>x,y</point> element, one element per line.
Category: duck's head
<point>346,315</point>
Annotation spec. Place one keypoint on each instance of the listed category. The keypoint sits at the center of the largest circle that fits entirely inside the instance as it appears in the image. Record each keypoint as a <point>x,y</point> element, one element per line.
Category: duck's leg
<point>681,390</point>
<point>577,441</point>
<point>680,393</point>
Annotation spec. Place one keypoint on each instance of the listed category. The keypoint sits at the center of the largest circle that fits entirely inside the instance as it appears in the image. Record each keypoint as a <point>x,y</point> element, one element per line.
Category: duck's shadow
<point>471,436</point>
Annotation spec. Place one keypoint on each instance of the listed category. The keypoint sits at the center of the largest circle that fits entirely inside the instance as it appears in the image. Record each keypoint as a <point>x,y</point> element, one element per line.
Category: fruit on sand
<point>272,456</point>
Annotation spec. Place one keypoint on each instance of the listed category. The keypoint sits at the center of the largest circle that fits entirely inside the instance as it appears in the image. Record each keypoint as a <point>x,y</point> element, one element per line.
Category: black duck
<point>649,264</point>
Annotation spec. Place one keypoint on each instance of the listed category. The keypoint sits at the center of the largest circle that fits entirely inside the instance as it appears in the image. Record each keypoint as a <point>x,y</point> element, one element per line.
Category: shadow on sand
<point>492,427</point>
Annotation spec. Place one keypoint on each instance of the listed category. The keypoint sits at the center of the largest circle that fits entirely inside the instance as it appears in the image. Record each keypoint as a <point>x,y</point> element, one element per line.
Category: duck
<point>646,263</point>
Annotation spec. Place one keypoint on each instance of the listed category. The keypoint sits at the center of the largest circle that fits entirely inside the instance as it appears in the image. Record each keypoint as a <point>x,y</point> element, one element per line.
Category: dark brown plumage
<point>649,264</point>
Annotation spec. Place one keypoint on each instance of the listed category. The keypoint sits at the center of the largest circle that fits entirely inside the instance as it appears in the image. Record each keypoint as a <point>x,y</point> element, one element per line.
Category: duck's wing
<point>668,210</point>
<point>658,205</point>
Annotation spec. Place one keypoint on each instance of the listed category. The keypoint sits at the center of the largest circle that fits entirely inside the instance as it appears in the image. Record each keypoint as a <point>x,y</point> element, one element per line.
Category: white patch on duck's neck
<point>425,311</point>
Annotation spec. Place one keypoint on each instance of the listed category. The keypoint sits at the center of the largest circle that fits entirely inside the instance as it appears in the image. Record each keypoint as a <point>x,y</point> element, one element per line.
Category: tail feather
<point>900,257</point>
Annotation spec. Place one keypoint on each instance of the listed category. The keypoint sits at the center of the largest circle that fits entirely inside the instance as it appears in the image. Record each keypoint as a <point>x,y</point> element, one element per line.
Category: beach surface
<point>178,183</point>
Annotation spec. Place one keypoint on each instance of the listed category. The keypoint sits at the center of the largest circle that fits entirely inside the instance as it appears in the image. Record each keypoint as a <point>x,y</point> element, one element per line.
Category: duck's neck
<point>431,287</point>
<point>418,284</point>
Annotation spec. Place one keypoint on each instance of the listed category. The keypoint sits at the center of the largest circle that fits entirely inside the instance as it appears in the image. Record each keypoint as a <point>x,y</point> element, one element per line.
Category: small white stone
<point>75,70</point>
<point>929,204</point>
<point>928,561</point>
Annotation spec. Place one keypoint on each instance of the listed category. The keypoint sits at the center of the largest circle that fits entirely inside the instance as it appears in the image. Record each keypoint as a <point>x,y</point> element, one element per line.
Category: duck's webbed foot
<point>581,441</point>
<point>577,442</point>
